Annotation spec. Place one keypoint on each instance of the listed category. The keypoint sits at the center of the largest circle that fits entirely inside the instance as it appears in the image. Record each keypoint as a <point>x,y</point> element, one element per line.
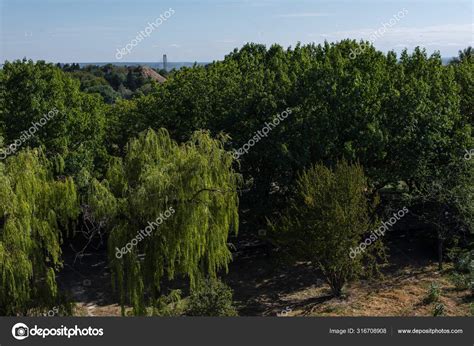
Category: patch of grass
<point>337,309</point>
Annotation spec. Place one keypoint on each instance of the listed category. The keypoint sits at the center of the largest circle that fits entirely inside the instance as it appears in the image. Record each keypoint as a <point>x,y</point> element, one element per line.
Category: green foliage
<point>438,310</point>
<point>444,200</point>
<point>329,217</point>
<point>112,82</point>
<point>197,181</point>
<point>461,259</point>
<point>463,262</point>
<point>212,298</point>
<point>108,94</point>
<point>64,307</point>
<point>33,210</point>
<point>464,72</point>
<point>168,305</point>
<point>460,281</point>
<point>471,275</point>
<point>29,90</point>
<point>434,293</point>
<point>406,118</point>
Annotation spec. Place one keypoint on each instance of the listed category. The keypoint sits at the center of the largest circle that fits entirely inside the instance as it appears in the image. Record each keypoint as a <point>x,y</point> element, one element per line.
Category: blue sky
<point>206,30</point>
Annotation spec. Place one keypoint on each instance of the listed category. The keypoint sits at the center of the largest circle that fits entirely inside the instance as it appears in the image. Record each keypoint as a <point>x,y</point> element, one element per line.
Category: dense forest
<point>312,155</point>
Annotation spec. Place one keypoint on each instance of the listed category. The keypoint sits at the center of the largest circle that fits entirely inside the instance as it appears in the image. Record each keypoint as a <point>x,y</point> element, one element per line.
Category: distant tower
<point>165,62</point>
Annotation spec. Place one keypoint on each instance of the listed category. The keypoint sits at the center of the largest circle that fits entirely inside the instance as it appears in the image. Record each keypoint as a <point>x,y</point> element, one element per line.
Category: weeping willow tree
<point>33,209</point>
<point>197,182</point>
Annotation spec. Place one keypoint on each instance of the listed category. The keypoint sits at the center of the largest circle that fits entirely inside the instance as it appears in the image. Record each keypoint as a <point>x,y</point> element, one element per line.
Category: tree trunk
<point>440,251</point>
<point>336,286</point>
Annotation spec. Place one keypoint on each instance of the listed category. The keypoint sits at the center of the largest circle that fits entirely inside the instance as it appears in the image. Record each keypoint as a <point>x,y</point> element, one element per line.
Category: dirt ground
<point>265,286</point>
<point>397,294</point>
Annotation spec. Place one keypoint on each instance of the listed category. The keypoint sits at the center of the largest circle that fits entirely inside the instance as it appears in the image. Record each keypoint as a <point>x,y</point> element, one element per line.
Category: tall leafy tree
<point>197,183</point>
<point>444,201</point>
<point>28,91</point>
<point>329,217</point>
<point>33,210</point>
<point>464,71</point>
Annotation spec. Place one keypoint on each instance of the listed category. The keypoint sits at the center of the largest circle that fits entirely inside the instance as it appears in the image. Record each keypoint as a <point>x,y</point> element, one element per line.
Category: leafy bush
<point>212,298</point>
<point>168,305</point>
<point>460,259</point>
<point>328,219</point>
<point>460,281</point>
<point>463,262</point>
<point>434,292</point>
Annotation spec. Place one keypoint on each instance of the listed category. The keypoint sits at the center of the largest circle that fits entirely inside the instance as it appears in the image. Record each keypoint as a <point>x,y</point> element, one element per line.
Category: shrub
<point>463,262</point>
<point>212,298</point>
<point>168,305</point>
<point>460,281</point>
<point>434,293</point>
<point>330,217</point>
<point>460,259</point>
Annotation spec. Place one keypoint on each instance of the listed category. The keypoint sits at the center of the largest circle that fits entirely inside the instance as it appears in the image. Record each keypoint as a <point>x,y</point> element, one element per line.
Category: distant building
<point>148,72</point>
<point>165,62</point>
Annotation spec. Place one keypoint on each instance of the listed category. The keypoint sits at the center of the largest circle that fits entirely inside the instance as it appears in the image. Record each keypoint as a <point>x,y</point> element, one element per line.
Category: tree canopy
<point>197,183</point>
<point>33,210</point>
<point>136,148</point>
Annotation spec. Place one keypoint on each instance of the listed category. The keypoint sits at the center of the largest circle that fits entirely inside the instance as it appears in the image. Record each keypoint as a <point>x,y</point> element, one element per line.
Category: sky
<point>207,30</point>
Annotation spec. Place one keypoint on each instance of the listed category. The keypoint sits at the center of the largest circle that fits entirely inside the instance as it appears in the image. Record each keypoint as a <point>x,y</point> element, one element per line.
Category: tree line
<point>365,137</point>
